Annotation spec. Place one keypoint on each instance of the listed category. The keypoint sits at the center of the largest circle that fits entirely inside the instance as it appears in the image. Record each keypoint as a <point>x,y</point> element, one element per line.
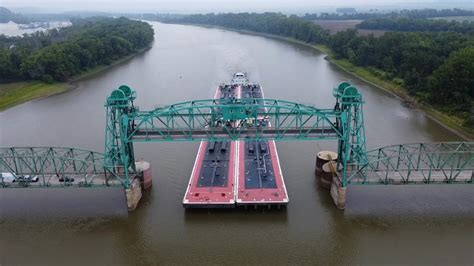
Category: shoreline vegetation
<point>17,93</point>
<point>32,80</point>
<point>430,70</point>
<point>46,63</point>
<point>451,123</point>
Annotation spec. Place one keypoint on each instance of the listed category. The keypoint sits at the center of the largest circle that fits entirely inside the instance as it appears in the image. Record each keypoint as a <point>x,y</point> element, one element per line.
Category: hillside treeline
<point>436,67</point>
<point>59,54</point>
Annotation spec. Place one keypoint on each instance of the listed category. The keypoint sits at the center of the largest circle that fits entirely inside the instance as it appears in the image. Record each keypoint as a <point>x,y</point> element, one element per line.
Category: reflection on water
<point>48,203</point>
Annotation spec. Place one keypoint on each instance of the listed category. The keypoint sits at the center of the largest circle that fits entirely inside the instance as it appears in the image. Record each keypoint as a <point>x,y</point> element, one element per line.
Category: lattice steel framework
<point>54,167</point>
<point>232,119</point>
<point>420,163</point>
<point>447,162</point>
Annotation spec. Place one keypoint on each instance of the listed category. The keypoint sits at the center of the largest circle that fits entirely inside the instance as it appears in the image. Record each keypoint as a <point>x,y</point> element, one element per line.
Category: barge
<point>237,173</point>
<point>260,179</point>
<point>212,182</point>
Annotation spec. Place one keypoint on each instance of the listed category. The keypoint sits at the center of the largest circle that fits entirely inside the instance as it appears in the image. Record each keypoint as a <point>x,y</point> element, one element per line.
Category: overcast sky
<point>189,6</point>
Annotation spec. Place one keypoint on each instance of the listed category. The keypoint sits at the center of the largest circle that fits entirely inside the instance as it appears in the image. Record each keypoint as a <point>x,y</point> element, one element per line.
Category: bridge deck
<point>71,180</point>
<point>414,177</point>
<point>242,133</point>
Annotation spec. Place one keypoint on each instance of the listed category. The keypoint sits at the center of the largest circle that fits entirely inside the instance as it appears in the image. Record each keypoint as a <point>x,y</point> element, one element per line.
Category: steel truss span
<point>233,119</point>
<point>54,167</point>
<point>419,163</point>
<point>213,120</point>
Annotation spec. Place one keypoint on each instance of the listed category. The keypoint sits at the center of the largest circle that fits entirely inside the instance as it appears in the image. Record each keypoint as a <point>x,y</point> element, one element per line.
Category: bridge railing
<point>444,162</point>
<point>53,167</point>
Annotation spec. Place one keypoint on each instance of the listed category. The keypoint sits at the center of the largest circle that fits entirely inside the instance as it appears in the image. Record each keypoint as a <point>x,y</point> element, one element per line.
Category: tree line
<point>436,67</point>
<point>427,64</point>
<point>412,13</point>
<point>60,54</point>
<point>272,23</point>
<point>417,24</point>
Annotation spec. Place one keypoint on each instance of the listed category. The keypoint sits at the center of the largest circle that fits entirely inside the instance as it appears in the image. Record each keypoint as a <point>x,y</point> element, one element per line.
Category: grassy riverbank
<point>453,123</point>
<point>15,93</point>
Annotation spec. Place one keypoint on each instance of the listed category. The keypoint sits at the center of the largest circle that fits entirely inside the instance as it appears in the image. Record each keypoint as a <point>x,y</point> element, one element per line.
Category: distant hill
<point>6,15</point>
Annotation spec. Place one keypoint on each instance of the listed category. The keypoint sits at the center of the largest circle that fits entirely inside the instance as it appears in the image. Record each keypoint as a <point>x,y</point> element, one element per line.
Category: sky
<point>199,6</point>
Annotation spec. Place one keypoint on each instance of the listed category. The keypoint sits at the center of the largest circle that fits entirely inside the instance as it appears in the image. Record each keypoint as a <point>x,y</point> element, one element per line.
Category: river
<point>189,62</point>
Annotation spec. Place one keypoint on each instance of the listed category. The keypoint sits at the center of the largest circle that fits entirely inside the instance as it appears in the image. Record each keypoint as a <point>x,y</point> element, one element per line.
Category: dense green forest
<point>414,13</point>
<point>435,67</point>
<point>416,24</point>
<point>58,55</point>
<point>273,23</point>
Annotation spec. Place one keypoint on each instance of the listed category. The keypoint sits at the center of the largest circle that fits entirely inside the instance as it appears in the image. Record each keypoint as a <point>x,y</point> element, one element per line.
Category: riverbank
<point>452,123</point>
<point>15,93</point>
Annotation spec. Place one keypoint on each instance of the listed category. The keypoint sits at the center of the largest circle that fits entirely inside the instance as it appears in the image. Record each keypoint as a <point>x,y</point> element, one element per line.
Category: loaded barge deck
<point>226,174</point>
<point>213,177</point>
<point>260,179</point>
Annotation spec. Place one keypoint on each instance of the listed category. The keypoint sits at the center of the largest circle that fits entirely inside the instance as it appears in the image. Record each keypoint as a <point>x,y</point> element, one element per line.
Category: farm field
<point>459,18</point>
<point>335,26</point>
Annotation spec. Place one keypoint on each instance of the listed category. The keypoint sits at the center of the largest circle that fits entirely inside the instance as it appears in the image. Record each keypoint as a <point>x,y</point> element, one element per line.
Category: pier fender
<point>134,194</point>
<point>338,193</point>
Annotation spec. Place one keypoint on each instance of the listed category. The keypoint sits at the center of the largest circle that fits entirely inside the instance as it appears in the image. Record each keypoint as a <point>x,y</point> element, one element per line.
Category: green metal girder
<point>51,163</point>
<point>119,155</point>
<point>233,119</point>
<point>352,144</point>
<point>426,163</point>
<point>418,163</point>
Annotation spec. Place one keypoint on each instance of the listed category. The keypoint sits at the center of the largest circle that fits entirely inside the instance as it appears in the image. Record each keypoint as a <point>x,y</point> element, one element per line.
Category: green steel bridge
<point>237,119</point>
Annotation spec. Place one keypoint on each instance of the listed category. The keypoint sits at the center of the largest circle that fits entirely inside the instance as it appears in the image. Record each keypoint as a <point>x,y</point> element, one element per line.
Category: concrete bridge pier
<point>327,175</point>
<point>338,193</point>
<point>142,182</point>
<point>134,194</point>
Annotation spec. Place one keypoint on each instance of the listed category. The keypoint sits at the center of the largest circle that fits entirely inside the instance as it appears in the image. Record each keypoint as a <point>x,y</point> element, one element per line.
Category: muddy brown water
<point>188,62</point>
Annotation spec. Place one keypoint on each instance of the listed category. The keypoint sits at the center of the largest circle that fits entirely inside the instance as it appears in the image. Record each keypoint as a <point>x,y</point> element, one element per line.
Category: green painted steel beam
<point>232,119</point>
<point>38,167</point>
<point>418,163</point>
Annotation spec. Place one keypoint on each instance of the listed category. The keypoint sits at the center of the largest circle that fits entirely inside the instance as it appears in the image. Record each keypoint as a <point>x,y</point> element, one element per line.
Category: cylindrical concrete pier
<point>329,170</point>
<point>324,177</point>
<point>322,158</point>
